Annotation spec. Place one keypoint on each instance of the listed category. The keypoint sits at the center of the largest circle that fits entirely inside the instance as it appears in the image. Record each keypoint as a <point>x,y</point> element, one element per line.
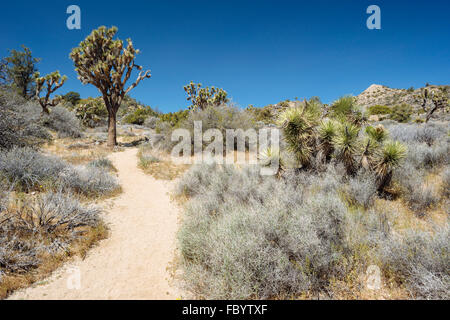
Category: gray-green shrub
<point>420,260</point>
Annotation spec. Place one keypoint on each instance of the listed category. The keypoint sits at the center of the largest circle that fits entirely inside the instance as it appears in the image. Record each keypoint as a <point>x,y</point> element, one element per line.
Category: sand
<point>135,261</point>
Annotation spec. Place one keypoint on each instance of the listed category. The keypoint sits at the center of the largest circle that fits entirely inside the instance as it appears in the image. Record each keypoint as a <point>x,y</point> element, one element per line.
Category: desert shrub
<point>418,194</point>
<point>249,236</point>
<point>47,224</point>
<point>379,109</point>
<point>27,169</point>
<point>102,163</point>
<point>151,122</point>
<point>20,123</point>
<point>90,181</point>
<point>164,128</point>
<point>221,118</point>
<point>4,198</point>
<point>402,113</point>
<point>174,118</point>
<point>362,189</point>
<point>262,114</point>
<point>425,133</point>
<point>420,261</point>
<point>138,116</point>
<point>446,182</point>
<point>64,122</point>
<point>422,155</point>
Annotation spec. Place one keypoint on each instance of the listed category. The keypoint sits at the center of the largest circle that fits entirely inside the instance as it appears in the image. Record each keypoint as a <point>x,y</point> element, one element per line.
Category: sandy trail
<point>133,262</point>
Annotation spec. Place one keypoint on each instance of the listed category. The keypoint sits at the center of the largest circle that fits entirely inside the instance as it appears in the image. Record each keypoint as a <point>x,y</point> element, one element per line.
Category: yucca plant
<point>271,156</point>
<point>386,159</point>
<point>298,125</point>
<point>379,134</point>
<point>369,148</point>
<point>327,132</point>
<point>347,145</point>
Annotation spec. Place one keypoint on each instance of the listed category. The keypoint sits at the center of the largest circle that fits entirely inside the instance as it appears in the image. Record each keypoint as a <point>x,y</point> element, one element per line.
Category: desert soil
<point>135,262</point>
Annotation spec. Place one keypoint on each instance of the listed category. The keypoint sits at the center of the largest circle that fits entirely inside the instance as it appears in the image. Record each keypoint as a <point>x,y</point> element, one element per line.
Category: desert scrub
<point>419,260</point>
<point>102,163</point>
<point>157,164</point>
<point>418,194</point>
<point>249,236</point>
<point>402,113</point>
<point>220,117</point>
<point>20,123</point>
<point>379,109</point>
<point>361,190</point>
<point>28,170</point>
<point>37,235</point>
<point>428,133</point>
<point>64,122</point>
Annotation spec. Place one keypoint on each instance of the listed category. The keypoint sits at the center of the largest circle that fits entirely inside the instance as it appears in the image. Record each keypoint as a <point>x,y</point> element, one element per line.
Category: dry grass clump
<point>29,170</point>
<point>37,235</point>
<point>158,164</point>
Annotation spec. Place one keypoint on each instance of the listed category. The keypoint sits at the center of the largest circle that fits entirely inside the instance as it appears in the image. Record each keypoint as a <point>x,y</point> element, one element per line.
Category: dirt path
<point>133,262</point>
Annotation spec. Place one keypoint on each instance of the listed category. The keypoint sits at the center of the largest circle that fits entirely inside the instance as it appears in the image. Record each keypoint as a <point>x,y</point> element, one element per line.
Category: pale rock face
<point>381,95</point>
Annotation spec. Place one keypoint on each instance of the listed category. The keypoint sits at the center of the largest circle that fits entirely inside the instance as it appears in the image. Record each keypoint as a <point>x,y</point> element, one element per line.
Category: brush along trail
<point>135,261</point>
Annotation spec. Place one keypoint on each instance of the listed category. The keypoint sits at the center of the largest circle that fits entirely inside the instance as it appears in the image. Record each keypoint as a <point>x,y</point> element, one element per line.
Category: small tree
<point>20,68</point>
<point>4,78</point>
<point>105,63</point>
<point>51,82</point>
<point>72,97</point>
<point>201,98</point>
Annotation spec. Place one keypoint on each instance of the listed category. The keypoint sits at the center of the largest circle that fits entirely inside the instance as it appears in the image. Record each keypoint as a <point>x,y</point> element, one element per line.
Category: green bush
<point>262,114</point>
<point>138,116</point>
<point>379,109</point>
<point>174,118</point>
<point>402,113</point>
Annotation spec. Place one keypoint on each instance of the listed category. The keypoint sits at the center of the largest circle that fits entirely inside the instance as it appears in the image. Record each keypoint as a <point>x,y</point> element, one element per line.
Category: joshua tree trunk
<point>112,141</point>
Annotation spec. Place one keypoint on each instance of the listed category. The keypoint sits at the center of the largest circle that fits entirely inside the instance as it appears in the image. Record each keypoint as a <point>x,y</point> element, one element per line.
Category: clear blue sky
<point>260,51</point>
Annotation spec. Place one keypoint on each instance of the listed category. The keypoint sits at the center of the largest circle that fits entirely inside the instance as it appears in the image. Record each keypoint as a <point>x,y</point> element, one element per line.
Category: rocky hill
<point>381,95</point>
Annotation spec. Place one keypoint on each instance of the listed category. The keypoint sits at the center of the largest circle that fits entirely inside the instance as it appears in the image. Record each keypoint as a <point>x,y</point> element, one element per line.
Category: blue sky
<point>261,52</point>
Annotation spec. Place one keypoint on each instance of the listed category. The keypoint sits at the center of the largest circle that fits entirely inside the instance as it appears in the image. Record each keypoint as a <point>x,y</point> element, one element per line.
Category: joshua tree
<point>51,82</point>
<point>201,98</point>
<point>107,64</point>
<point>438,97</point>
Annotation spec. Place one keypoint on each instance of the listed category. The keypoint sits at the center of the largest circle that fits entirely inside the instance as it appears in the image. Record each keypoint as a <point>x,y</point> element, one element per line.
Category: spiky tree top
<point>107,64</point>
<point>201,98</point>
<point>51,82</point>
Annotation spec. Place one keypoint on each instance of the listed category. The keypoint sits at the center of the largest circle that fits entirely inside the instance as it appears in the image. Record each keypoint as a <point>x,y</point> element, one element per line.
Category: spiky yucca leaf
<point>270,157</point>
<point>388,157</point>
<point>327,132</point>
<point>298,125</point>
<point>369,148</point>
<point>378,133</point>
<point>347,145</point>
